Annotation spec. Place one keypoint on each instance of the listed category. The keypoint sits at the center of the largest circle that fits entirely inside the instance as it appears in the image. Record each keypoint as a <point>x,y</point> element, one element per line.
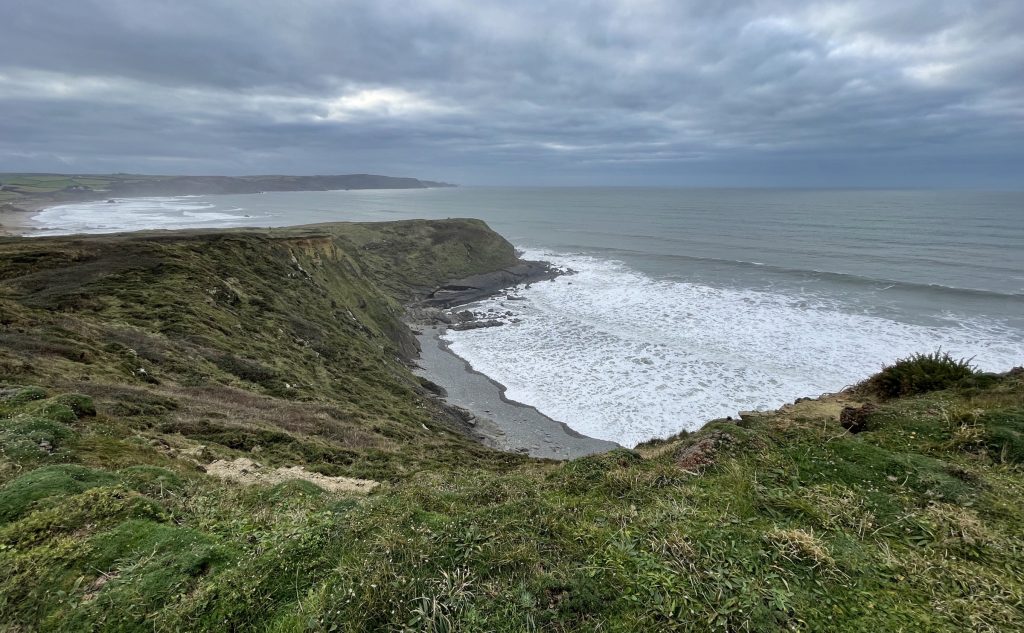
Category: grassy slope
<point>281,346</point>
<point>277,338</point>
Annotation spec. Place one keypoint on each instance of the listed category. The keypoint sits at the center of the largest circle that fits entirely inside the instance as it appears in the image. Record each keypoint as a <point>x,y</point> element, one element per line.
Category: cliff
<point>218,430</point>
<point>299,315</point>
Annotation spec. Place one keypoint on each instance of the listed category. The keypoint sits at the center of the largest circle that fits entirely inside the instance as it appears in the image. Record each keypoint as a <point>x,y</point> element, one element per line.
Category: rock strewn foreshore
<point>476,399</point>
<point>437,306</point>
<point>477,287</point>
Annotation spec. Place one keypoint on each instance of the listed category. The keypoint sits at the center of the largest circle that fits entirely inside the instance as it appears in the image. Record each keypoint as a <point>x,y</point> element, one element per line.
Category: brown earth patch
<point>246,471</point>
<point>701,454</point>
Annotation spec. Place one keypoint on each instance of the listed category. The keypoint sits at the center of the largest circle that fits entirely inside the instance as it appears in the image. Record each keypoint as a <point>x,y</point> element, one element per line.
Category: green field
<point>129,366</point>
<point>36,184</point>
<point>32,189</point>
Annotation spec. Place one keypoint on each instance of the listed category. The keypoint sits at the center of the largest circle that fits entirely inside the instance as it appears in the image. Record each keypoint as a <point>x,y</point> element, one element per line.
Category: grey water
<point>911,254</point>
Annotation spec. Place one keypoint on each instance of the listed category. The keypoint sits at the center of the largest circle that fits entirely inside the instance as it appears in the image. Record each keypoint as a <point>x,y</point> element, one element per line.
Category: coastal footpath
<point>233,430</point>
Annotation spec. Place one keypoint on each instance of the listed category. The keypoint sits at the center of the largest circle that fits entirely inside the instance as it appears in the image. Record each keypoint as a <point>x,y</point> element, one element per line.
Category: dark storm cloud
<point>626,91</point>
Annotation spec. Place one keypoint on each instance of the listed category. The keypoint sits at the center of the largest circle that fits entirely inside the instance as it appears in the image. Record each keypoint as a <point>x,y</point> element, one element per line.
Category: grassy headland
<point>130,365</point>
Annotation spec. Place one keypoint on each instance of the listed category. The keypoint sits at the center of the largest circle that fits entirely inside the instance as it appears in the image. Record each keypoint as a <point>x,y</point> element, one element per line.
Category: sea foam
<point>135,214</point>
<point>622,356</point>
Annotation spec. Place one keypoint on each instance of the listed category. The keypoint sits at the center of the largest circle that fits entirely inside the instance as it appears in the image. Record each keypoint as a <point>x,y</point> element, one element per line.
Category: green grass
<point>109,522</point>
<point>812,530</point>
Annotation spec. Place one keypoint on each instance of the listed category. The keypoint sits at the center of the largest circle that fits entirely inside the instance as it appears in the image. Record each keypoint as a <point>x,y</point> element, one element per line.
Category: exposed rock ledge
<point>478,287</point>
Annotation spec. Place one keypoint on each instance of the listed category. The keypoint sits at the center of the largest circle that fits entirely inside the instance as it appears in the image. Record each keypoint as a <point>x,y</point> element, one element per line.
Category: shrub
<point>57,412</point>
<point>151,480</point>
<point>49,481</point>
<point>81,405</point>
<point>918,374</point>
<point>32,436</point>
<point>246,369</point>
<point>26,394</point>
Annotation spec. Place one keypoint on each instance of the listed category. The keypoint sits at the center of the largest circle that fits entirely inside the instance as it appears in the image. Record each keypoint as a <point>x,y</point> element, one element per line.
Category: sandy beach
<point>501,423</point>
<point>16,220</point>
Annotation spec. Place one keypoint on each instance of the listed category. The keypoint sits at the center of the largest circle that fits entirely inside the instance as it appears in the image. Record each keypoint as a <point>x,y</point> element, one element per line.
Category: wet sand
<point>504,424</point>
<point>17,222</point>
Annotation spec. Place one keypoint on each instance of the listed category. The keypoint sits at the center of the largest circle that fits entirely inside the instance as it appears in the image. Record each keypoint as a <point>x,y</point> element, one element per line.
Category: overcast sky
<point>630,92</point>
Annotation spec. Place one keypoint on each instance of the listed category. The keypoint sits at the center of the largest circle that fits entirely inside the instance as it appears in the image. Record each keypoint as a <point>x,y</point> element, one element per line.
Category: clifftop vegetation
<point>185,420</point>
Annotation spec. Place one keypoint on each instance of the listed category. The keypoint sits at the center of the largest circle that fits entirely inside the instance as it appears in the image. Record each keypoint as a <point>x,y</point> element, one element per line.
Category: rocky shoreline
<point>476,399</point>
<point>476,287</point>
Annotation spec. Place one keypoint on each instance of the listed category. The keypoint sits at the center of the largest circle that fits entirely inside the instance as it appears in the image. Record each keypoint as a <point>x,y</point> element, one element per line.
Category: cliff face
<point>216,430</point>
<point>299,315</point>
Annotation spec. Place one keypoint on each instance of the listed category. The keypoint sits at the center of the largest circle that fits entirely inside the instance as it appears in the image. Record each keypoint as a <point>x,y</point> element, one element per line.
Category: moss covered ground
<point>129,363</point>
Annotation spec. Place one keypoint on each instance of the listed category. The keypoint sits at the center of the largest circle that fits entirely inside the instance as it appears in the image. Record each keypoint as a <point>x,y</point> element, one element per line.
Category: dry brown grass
<point>245,471</point>
<point>841,508</point>
<point>799,545</point>
<point>243,408</point>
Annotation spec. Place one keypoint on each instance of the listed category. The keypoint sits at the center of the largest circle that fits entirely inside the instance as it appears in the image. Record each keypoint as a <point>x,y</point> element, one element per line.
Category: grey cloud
<point>654,92</point>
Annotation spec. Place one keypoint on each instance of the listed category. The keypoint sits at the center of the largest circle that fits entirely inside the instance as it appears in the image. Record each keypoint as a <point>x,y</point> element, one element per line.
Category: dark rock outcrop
<point>476,325</point>
<point>478,287</point>
<point>855,419</point>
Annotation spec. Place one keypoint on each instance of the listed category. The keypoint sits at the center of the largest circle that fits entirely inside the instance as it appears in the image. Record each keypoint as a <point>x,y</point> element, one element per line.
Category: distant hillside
<point>32,191</point>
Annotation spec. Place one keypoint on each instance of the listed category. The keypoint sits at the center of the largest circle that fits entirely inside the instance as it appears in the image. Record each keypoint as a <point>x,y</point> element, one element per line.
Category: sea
<point>689,304</point>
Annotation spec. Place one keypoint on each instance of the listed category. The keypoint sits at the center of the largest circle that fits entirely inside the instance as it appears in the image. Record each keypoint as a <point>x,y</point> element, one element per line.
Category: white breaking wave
<point>621,356</point>
<point>135,214</point>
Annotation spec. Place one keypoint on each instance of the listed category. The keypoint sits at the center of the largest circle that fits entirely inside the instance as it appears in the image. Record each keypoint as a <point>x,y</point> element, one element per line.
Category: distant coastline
<point>24,193</point>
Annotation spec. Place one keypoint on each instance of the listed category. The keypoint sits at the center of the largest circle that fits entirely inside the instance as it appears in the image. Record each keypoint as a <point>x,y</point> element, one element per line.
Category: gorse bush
<point>919,374</point>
